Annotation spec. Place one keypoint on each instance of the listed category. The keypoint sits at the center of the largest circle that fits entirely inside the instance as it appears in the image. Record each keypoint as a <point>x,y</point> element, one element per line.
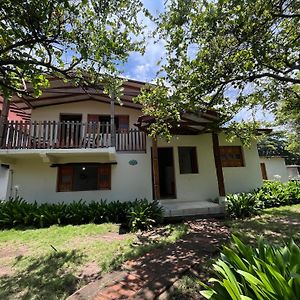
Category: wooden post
<point>155,170</point>
<point>3,119</point>
<point>218,164</point>
<point>112,121</point>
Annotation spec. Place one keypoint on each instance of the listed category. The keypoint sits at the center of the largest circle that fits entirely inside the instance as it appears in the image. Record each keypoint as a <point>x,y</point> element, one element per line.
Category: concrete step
<point>191,208</point>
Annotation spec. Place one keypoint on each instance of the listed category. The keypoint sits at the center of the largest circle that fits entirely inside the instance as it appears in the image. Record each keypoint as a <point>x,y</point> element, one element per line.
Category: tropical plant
<point>264,273</point>
<point>143,215</point>
<point>242,205</point>
<point>138,214</point>
<point>275,193</point>
<point>271,194</point>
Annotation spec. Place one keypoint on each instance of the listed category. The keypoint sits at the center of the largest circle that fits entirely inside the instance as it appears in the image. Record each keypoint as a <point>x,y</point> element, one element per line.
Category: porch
<point>71,135</point>
<point>174,208</point>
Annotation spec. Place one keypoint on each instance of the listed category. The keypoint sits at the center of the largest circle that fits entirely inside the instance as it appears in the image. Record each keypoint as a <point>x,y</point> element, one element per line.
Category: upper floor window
<point>121,121</point>
<point>84,177</point>
<point>231,156</point>
<point>188,163</point>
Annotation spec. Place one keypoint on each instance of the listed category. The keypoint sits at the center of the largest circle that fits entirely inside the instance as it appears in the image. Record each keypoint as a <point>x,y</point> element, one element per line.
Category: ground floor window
<point>232,156</point>
<point>188,163</point>
<point>84,177</point>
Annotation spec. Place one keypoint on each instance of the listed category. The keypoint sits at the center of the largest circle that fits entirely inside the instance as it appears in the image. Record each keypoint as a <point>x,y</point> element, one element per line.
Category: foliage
<point>271,194</point>
<point>288,112</point>
<point>143,215</point>
<point>276,144</point>
<point>264,273</point>
<point>274,193</point>
<point>73,40</point>
<point>242,205</point>
<point>247,49</point>
<point>138,214</point>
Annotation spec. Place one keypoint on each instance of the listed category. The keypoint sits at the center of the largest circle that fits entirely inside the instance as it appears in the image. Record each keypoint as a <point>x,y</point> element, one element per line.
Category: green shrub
<point>294,191</point>
<point>264,273</point>
<point>271,194</point>
<point>274,193</point>
<point>242,205</point>
<point>138,214</point>
<point>143,215</point>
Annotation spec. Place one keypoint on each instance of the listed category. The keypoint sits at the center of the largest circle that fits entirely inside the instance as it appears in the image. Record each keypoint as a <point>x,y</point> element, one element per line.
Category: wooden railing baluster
<point>53,134</point>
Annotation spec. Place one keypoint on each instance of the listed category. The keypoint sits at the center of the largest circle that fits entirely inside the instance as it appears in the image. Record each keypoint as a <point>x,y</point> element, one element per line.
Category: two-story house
<point>14,114</point>
<point>80,144</point>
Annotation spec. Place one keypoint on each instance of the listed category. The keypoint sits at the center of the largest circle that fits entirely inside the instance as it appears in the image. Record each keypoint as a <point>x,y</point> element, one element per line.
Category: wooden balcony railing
<point>57,135</point>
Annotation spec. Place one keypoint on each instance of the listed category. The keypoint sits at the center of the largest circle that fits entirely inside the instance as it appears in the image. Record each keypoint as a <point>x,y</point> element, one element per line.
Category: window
<point>231,156</point>
<point>121,121</point>
<point>84,177</point>
<point>188,160</point>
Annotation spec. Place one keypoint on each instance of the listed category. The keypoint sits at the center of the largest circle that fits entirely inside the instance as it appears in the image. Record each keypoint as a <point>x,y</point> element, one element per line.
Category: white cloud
<point>144,67</point>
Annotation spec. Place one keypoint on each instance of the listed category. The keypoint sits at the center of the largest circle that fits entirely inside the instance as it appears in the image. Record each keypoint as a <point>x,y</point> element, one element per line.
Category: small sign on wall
<point>133,162</point>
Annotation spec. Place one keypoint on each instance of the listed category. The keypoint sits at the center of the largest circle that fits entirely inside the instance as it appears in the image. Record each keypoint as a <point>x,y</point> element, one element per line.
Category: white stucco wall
<point>84,108</point>
<point>203,186</point>
<point>242,179</point>
<point>293,172</point>
<point>37,181</point>
<point>275,166</point>
<point>195,187</point>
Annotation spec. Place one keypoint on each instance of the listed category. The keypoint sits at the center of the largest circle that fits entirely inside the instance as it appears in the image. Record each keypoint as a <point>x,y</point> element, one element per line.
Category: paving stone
<point>118,291</point>
<point>90,290</point>
<point>150,275</point>
<point>101,297</point>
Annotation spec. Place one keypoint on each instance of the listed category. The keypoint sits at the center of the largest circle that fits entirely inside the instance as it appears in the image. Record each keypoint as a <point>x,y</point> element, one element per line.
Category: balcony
<point>71,135</point>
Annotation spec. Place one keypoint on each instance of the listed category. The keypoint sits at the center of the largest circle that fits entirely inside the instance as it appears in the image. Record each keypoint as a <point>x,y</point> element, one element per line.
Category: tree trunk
<point>218,164</point>
<point>3,119</point>
<point>112,121</point>
<point>155,167</point>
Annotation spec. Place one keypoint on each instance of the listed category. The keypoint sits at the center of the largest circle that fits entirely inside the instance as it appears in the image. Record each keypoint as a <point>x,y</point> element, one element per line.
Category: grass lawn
<point>276,225</point>
<point>53,262</point>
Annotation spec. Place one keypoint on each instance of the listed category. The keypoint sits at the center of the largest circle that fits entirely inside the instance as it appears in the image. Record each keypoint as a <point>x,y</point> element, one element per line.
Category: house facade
<point>293,172</point>
<point>82,144</point>
<point>274,168</point>
<point>14,114</point>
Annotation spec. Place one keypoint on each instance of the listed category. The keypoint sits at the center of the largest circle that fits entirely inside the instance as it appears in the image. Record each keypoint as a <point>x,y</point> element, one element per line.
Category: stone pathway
<point>150,275</point>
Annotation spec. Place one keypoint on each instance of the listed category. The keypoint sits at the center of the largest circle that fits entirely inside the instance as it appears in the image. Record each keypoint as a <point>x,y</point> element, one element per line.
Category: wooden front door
<point>263,171</point>
<point>167,184</point>
<point>70,130</point>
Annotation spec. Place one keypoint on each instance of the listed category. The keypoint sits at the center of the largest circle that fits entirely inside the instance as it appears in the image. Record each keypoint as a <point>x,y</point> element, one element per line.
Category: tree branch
<point>263,75</point>
<point>286,15</point>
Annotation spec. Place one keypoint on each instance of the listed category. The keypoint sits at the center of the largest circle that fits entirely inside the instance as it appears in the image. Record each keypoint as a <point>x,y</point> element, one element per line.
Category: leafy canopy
<point>249,47</point>
<point>64,37</point>
<point>276,144</point>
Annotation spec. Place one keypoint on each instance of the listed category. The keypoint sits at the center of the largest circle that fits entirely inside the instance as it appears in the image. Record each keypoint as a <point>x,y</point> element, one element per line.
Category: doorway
<point>69,135</point>
<point>263,171</point>
<point>166,173</point>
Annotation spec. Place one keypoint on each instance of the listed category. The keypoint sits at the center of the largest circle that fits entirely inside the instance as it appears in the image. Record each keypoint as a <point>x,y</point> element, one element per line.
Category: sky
<point>144,67</point>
